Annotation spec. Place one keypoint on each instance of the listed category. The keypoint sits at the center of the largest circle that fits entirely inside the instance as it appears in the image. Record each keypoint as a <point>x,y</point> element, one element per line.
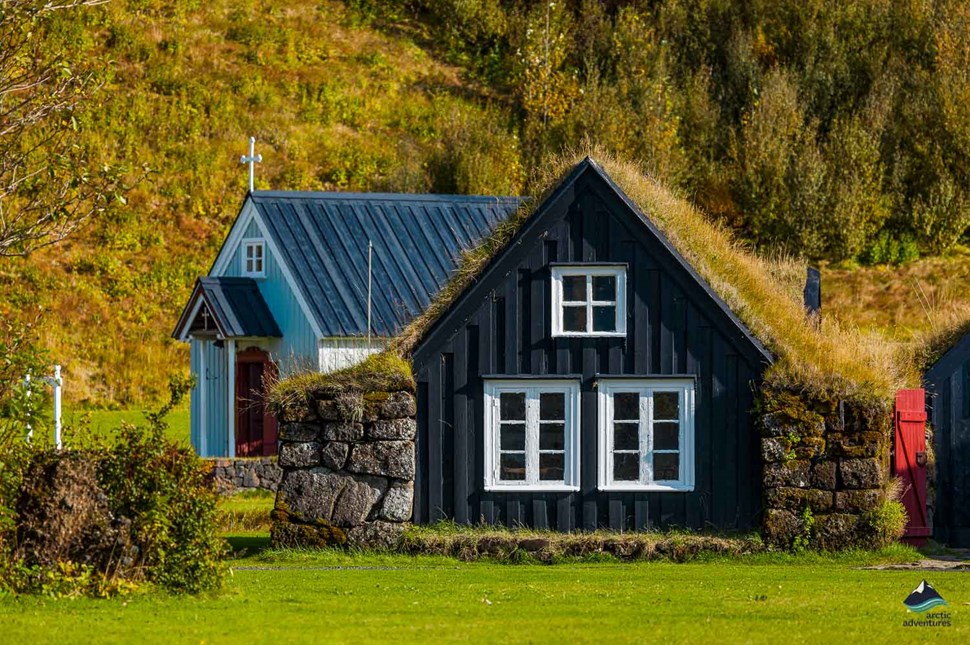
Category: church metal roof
<point>417,244</point>
<point>236,306</point>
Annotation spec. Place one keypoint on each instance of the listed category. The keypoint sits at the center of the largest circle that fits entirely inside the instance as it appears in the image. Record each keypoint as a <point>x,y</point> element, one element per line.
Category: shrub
<point>102,519</point>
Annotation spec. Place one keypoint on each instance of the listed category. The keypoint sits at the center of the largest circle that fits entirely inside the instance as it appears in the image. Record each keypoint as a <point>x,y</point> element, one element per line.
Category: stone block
<point>376,535</point>
<point>857,446</point>
<point>787,473</point>
<point>357,500</point>
<point>299,432</point>
<point>392,429</point>
<point>306,536</point>
<point>810,448</point>
<point>823,475</point>
<point>385,458</point>
<point>835,532</point>
<point>398,405</point>
<point>397,502</point>
<point>777,424</point>
<point>333,455</point>
<point>250,480</point>
<point>342,431</point>
<point>774,449</point>
<point>857,500</point>
<point>796,499</point>
<point>781,527</point>
<point>860,473</point>
<point>320,494</point>
<point>346,406</point>
<point>299,455</point>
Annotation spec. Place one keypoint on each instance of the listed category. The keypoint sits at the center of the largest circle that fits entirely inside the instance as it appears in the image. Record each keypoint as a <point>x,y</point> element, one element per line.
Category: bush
<point>102,519</point>
<point>885,524</point>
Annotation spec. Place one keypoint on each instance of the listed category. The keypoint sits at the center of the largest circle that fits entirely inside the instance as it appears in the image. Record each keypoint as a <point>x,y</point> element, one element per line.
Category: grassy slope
<point>899,302</point>
<point>333,105</point>
<point>340,598</point>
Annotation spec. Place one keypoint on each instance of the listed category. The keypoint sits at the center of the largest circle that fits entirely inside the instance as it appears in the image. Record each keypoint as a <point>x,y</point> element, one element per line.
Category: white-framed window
<point>646,434</point>
<point>589,300</point>
<point>531,435</point>
<point>253,258</point>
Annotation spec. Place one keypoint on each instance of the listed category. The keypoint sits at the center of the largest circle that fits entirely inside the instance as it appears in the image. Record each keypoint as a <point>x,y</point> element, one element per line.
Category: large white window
<point>253,261</point>
<point>646,434</point>
<point>531,435</point>
<point>589,300</point>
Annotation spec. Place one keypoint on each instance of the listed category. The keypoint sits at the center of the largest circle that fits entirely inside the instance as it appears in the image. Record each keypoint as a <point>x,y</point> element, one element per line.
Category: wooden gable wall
<point>501,326</point>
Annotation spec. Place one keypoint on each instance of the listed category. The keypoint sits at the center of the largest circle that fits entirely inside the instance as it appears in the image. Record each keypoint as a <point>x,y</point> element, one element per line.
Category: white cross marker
<point>252,159</point>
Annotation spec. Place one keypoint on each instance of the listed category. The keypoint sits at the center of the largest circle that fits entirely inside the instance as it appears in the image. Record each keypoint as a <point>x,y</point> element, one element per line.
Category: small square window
<point>253,259</point>
<point>646,434</point>
<point>532,435</point>
<point>588,300</point>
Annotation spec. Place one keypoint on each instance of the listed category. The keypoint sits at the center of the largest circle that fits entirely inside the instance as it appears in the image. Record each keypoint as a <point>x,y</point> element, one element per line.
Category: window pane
<point>258,251</point>
<point>626,466</point>
<point>552,406</point>
<point>513,406</point>
<point>665,405</point>
<point>666,466</point>
<point>574,318</point>
<point>574,288</point>
<point>552,436</point>
<point>512,467</point>
<point>626,406</point>
<point>626,436</point>
<point>604,287</point>
<point>513,436</point>
<point>604,318</point>
<point>551,466</point>
<point>249,251</point>
<point>666,436</point>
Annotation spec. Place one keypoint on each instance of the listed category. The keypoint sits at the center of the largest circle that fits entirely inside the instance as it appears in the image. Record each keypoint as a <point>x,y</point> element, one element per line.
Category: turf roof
<point>816,355</point>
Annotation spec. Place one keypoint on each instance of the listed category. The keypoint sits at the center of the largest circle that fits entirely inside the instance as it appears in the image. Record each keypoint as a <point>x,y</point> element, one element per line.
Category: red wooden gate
<point>255,426</point>
<point>909,462</point>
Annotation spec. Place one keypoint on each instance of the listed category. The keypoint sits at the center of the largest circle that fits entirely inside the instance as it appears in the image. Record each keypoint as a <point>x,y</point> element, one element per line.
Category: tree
<point>48,187</point>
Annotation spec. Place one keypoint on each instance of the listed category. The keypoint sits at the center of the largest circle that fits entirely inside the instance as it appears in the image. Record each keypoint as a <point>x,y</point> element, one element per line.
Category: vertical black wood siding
<point>947,388</point>
<point>503,327</point>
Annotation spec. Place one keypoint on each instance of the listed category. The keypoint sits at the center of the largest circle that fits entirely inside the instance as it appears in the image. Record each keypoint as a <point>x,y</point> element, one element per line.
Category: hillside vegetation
<point>835,131</point>
<point>334,105</point>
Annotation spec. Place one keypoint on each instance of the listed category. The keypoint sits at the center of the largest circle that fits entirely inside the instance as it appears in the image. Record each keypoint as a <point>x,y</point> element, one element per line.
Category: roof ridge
<point>422,197</point>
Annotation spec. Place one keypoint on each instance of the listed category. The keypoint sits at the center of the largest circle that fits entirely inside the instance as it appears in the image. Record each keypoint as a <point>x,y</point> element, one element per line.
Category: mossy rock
<point>780,528</point>
<point>795,499</point>
<point>306,536</point>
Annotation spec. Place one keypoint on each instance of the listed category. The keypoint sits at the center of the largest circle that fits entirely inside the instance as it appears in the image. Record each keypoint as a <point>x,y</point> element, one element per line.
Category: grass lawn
<point>103,422</point>
<point>338,597</point>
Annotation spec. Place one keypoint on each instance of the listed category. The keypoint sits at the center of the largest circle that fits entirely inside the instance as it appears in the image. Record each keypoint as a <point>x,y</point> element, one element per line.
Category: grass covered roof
<point>814,355</point>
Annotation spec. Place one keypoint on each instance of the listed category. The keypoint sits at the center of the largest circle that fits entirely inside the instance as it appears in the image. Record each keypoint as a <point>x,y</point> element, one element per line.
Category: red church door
<point>909,462</point>
<point>255,426</point>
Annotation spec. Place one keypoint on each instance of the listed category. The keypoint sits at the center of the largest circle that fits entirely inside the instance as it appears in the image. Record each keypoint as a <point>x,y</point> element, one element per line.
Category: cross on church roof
<point>251,159</point>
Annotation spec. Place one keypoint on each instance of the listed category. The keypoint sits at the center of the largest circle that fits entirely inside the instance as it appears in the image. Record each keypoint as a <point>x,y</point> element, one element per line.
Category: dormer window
<point>589,300</point>
<point>253,259</point>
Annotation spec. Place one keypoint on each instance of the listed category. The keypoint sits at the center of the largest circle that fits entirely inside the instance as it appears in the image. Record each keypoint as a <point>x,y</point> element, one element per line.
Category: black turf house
<point>588,378</point>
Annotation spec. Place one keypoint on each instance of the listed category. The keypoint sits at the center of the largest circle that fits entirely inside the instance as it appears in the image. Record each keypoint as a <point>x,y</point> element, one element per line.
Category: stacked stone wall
<point>348,467</point>
<point>826,464</point>
<point>231,475</point>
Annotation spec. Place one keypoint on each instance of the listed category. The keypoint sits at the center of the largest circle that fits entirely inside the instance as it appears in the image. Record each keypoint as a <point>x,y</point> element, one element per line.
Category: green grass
<point>246,512</point>
<point>105,422</point>
<point>339,597</point>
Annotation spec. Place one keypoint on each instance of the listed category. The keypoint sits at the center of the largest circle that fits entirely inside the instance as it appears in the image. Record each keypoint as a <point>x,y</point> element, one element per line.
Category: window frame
<point>617,271</point>
<point>606,388</point>
<point>493,388</point>
<point>244,247</point>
